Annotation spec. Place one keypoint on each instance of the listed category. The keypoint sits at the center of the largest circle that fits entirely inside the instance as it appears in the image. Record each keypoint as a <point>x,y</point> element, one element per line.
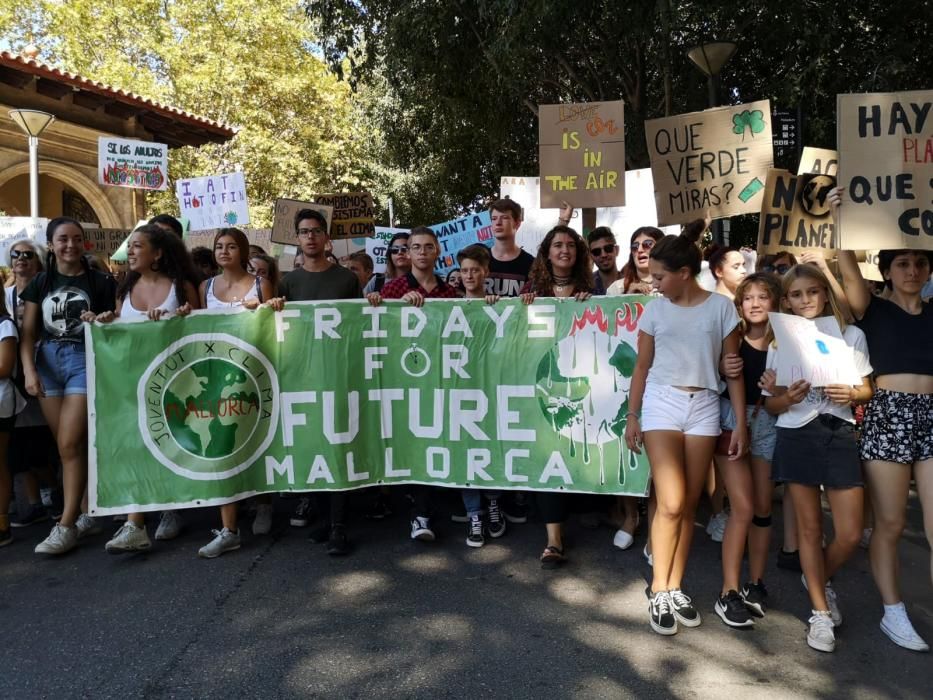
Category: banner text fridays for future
<point>341,395</point>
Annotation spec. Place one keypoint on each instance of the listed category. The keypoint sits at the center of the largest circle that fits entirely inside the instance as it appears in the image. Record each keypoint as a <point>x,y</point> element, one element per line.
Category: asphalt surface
<point>402,619</point>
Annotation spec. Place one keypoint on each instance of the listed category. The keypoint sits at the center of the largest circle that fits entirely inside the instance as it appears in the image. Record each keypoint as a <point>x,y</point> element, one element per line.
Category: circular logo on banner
<point>208,406</point>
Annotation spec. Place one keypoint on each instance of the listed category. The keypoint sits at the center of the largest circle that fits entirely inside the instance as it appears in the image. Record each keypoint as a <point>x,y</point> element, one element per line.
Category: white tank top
<point>128,311</point>
<point>214,303</point>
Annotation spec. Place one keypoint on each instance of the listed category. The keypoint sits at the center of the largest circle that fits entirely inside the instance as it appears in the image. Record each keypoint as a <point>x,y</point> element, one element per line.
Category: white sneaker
<point>647,555</point>
<point>897,626</point>
<point>866,538</point>
<point>421,529</point>
<point>87,526</point>
<point>224,541</point>
<point>262,524</point>
<point>716,528</point>
<point>622,539</point>
<point>820,636</point>
<point>832,600</point>
<point>129,538</point>
<point>62,539</point>
<point>170,526</point>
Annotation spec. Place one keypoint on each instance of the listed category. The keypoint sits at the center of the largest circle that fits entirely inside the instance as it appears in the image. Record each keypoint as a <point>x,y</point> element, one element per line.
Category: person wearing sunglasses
<point>636,279</point>
<point>398,264</point>
<point>604,250</point>
<point>777,263</point>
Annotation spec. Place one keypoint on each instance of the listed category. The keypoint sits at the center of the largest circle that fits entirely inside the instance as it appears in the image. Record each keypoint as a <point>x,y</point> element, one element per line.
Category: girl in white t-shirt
<point>11,403</point>
<point>816,448</point>
<point>674,409</point>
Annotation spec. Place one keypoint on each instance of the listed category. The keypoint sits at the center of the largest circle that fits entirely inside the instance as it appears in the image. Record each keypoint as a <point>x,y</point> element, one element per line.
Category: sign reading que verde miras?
<point>221,405</point>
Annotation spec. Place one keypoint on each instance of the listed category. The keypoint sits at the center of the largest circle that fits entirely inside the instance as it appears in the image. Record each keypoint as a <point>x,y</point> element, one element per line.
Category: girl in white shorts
<point>674,403</point>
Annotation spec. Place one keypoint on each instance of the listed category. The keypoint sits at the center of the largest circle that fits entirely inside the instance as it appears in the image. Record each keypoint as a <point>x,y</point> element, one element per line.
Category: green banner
<point>220,405</point>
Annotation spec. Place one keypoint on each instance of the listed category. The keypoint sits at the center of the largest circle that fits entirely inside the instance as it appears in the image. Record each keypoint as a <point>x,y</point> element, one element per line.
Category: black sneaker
<point>338,544</point>
<point>36,513</point>
<point>661,612</point>
<point>320,533</point>
<point>496,522</point>
<point>789,560</point>
<point>731,610</point>
<point>302,513</point>
<point>5,537</point>
<point>684,611</point>
<point>379,510</point>
<point>755,596</point>
<point>475,533</point>
<point>517,510</point>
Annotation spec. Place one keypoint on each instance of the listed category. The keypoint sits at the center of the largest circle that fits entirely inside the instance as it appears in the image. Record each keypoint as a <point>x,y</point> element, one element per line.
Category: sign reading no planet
<point>716,160</point>
<point>215,201</point>
<point>886,167</point>
<point>795,213</point>
<point>131,163</point>
<point>582,154</point>
<point>342,395</point>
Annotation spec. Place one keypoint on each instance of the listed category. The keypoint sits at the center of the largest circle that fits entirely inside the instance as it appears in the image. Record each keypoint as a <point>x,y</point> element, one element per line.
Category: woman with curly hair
<point>562,269</point>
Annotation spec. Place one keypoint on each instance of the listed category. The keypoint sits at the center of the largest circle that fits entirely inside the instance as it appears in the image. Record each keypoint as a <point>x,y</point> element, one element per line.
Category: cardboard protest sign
<point>214,201</point>
<point>105,241</point>
<point>813,350</point>
<point>716,160</point>
<point>819,161</point>
<point>457,234</point>
<point>582,154</point>
<point>283,218</point>
<point>132,163</point>
<point>886,167</point>
<point>261,237</point>
<point>352,216</point>
<point>377,247</point>
<point>795,214</point>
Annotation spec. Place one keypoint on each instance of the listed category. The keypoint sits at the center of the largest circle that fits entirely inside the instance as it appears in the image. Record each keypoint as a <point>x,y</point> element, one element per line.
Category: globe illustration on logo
<point>582,389</point>
<point>815,193</point>
<point>212,408</point>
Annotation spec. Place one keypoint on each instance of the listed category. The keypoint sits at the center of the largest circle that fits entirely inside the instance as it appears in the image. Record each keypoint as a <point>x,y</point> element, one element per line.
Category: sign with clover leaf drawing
<point>716,160</point>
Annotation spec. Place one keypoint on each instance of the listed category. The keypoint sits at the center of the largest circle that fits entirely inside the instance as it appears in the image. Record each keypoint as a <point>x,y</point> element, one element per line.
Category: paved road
<point>400,619</point>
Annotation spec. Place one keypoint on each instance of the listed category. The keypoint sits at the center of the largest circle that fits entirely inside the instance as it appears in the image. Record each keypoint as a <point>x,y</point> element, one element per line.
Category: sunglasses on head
<point>606,249</point>
<point>24,254</point>
<point>646,244</point>
<point>398,249</point>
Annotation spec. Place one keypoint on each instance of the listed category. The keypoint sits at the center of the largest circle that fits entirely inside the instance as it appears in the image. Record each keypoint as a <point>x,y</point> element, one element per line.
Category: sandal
<point>552,557</point>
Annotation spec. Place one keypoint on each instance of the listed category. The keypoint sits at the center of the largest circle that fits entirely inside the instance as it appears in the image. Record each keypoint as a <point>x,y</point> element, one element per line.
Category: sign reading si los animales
<point>221,405</point>
<point>581,151</point>
<point>886,167</point>
<point>716,160</point>
<point>131,163</point>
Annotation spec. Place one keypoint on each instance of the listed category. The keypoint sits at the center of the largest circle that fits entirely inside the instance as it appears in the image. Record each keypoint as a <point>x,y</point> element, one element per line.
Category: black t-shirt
<point>898,342</point>
<point>754,363</point>
<point>68,298</point>
<point>506,278</point>
<point>335,282</point>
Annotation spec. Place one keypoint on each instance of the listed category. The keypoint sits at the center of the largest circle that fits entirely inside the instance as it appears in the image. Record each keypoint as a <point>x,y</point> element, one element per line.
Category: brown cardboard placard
<point>353,215</point>
<point>795,214</point>
<point>819,161</point>
<point>205,239</point>
<point>283,220</point>
<point>886,166</point>
<point>581,154</point>
<point>716,160</point>
<point>105,241</point>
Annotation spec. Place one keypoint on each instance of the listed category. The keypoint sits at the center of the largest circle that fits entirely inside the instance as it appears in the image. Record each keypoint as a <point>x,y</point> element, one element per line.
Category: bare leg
<point>759,538</point>
<point>698,452</point>
<point>809,512</point>
<point>888,488</point>
<point>846,505</point>
<point>790,543</point>
<point>67,418</point>
<point>737,476</point>
<point>554,535</point>
<point>228,515</point>
<point>666,455</point>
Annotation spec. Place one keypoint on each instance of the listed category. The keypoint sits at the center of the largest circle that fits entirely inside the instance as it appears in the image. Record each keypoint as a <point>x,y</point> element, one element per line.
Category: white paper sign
<point>215,201</point>
<point>16,228</point>
<point>377,246</point>
<point>812,350</point>
<point>132,163</point>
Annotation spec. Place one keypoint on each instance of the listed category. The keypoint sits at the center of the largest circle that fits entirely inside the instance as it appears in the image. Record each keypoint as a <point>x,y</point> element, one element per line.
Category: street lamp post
<point>710,59</point>
<point>33,123</point>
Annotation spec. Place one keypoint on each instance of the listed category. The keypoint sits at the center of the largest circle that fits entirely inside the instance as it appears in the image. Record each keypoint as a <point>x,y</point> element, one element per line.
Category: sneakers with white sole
<point>129,538</point>
<point>832,600</point>
<point>820,635</point>
<point>897,626</point>
<point>475,532</point>
<point>732,610</point>
<point>661,613</point>
<point>684,610</point>
<point>87,526</point>
<point>647,555</point>
<point>622,539</point>
<point>421,529</point>
<point>170,526</point>
<point>62,539</point>
<point>716,528</point>
<point>262,523</point>
<point>224,541</point>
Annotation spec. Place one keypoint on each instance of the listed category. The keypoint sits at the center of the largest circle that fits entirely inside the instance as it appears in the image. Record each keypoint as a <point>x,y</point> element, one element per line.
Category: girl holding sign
<point>816,448</point>
<point>897,435</point>
<point>674,411</point>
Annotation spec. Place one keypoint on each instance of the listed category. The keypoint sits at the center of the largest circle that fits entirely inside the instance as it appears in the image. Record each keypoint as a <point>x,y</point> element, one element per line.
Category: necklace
<point>561,283</point>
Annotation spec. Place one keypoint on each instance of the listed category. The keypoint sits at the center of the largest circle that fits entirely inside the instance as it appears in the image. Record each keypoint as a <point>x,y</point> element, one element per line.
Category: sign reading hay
<point>283,220</point>
<point>582,154</point>
<point>795,213</point>
<point>215,201</point>
<point>886,166</point>
<point>352,214</point>
<point>716,160</point>
<point>132,163</point>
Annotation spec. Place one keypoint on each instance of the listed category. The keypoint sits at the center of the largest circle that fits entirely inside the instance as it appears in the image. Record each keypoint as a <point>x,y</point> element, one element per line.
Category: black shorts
<point>821,453</point>
<point>30,447</point>
<point>898,427</point>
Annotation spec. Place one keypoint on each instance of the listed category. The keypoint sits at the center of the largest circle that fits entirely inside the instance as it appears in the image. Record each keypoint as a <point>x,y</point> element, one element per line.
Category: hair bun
<point>694,230</point>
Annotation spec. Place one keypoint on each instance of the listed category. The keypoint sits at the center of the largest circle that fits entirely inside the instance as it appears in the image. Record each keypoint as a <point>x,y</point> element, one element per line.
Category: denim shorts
<point>61,368</point>
<point>761,427</point>
<point>821,453</point>
<point>688,412</point>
